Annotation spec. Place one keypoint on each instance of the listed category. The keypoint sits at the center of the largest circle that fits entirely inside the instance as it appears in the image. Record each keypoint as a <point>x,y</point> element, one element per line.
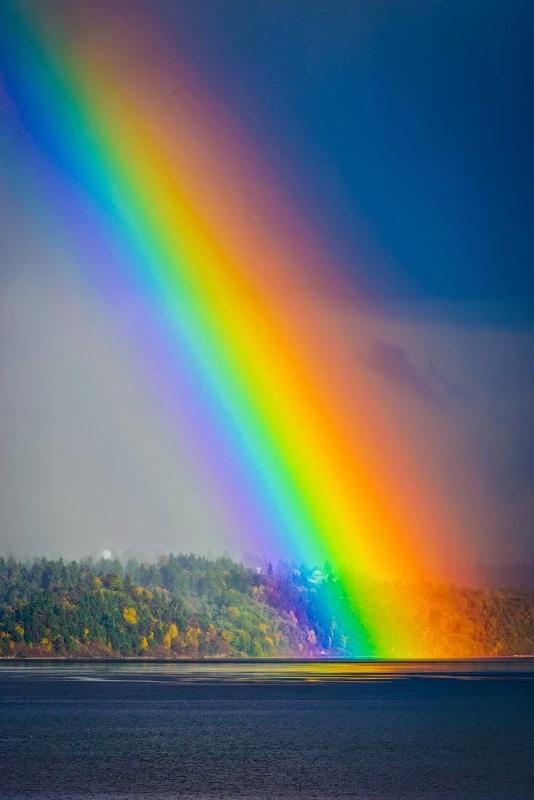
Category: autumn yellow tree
<point>129,615</point>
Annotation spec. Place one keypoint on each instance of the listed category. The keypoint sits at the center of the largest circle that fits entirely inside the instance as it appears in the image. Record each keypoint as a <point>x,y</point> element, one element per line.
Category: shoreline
<point>311,660</point>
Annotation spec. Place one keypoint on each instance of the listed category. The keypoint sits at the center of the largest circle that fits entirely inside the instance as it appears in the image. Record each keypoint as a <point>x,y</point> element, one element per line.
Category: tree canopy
<point>187,606</point>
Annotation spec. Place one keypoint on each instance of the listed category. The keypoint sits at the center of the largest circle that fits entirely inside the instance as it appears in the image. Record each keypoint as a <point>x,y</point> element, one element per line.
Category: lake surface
<point>371,731</point>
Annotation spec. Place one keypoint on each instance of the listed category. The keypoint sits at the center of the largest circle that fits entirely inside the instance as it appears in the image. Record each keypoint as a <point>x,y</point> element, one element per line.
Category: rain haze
<point>420,181</point>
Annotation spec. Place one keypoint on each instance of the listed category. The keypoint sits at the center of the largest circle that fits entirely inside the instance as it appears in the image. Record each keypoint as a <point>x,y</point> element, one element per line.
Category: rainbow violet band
<point>164,198</point>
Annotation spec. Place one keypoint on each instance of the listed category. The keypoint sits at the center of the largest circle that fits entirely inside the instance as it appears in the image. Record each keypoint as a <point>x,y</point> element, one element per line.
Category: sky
<point>401,133</point>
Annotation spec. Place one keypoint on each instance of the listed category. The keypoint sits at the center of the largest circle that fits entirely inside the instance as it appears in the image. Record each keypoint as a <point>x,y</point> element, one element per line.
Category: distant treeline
<point>192,607</point>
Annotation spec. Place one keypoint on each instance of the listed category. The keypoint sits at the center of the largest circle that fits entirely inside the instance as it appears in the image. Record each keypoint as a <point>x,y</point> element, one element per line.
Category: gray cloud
<point>427,382</point>
<point>88,461</point>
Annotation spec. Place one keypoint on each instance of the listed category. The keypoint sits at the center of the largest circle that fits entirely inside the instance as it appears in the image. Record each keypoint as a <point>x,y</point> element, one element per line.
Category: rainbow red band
<point>181,212</point>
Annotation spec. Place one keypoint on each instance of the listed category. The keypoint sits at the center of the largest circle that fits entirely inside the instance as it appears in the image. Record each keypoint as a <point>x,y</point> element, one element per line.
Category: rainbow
<point>166,199</point>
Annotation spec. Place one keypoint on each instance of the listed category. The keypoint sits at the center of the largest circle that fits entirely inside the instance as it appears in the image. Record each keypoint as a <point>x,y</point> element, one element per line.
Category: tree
<point>129,614</point>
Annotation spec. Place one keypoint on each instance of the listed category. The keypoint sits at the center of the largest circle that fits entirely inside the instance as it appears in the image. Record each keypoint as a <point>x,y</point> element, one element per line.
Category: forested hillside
<point>193,607</point>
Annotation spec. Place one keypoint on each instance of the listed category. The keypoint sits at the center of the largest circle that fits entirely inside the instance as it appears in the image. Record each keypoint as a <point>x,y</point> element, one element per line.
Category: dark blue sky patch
<point>404,130</point>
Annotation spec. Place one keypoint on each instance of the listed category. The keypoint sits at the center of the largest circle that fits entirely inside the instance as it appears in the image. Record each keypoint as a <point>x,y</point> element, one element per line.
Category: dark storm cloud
<point>394,363</point>
<point>404,128</point>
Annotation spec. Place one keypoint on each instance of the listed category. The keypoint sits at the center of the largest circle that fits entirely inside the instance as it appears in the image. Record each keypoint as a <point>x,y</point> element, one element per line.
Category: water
<point>368,731</point>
